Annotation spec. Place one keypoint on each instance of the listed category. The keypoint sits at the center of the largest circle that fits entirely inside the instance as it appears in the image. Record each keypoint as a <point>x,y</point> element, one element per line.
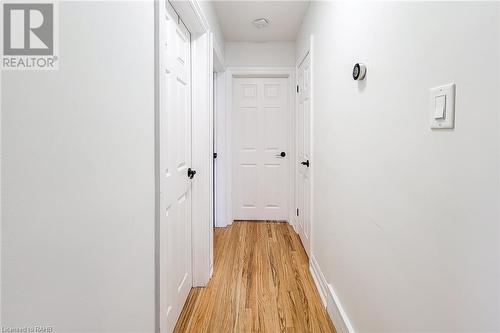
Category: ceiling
<point>285,18</point>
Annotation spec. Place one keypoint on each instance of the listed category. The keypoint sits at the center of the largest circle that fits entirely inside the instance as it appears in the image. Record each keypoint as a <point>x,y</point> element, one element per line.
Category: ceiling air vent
<point>260,23</point>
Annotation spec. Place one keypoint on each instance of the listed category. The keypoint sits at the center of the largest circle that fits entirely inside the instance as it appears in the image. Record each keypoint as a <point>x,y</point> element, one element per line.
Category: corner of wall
<point>330,299</point>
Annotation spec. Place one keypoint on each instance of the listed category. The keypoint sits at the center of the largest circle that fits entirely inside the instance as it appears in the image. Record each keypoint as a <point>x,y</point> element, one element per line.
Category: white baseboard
<point>319,279</point>
<point>293,223</point>
<point>330,300</point>
<point>224,223</point>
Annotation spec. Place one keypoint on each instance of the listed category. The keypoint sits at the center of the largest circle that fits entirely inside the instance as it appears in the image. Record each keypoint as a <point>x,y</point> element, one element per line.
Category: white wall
<point>406,224</point>
<point>208,10</point>
<point>260,54</point>
<point>78,193</point>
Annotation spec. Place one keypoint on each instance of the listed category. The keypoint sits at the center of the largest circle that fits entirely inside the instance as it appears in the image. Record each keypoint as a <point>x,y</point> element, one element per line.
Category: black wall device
<point>359,72</point>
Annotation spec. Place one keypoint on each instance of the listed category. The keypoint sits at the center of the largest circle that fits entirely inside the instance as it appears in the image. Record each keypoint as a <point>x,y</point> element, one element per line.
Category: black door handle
<point>306,163</point>
<point>282,154</point>
<point>191,173</point>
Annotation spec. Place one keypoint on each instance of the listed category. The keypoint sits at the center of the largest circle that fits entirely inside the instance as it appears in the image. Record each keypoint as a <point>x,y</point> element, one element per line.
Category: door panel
<point>304,153</point>
<point>260,134</point>
<point>175,159</point>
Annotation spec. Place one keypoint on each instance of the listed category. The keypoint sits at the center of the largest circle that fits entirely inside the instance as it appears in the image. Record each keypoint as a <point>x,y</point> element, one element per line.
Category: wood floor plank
<point>261,283</point>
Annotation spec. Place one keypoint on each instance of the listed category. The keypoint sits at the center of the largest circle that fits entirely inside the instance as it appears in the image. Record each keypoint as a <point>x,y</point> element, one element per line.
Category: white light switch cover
<point>448,119</point>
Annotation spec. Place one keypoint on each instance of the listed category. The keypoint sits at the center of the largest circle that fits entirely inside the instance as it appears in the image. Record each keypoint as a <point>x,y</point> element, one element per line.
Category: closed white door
<point>260,148</point>
<point>304,153</point>
<point>175,160</point>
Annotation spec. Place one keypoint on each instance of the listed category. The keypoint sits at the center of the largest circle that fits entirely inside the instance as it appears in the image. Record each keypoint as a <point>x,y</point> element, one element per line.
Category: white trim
<point>228,150</point>
<point>330,299</point>
<point>222,217</point>
<point>157,162</point>
<point>219,118</point>
<point>192,16</point>
<point>319,279</point>
<point>337,314</point>
<point>218,59</point>
<point>311,142</point>
<point>198,24</point>
<point>304,54</point>
<point>266,72</point>
<point>1,267</point>
<point>292,207</point>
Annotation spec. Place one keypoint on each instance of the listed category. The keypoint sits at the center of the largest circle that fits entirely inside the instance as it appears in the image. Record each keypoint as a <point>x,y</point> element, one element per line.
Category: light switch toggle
<point>440,107</point>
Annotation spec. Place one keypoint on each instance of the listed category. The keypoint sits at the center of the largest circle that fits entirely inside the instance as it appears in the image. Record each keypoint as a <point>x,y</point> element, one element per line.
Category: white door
<point>304,152</point>
<point>175,160</point>
<point>260,138</point>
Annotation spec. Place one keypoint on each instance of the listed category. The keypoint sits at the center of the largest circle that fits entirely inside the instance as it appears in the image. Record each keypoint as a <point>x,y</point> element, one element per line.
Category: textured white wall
<point>78,177</point>
<point>406,222</point>
<point>260,54</point>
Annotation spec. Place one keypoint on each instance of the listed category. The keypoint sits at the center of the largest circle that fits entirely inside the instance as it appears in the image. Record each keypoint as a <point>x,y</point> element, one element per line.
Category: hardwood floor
<point>261,283</point>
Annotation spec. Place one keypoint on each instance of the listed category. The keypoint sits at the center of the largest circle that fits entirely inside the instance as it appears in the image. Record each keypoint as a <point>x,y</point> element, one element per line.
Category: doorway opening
<point>258,129</point>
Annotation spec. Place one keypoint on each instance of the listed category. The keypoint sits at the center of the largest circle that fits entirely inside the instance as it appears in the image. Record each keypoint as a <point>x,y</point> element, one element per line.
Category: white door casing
<point>260,113</point>
<point>304,152</point>
<point>175,260</point>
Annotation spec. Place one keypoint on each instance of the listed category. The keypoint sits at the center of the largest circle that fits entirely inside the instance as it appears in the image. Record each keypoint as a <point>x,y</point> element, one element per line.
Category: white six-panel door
<point>260,135</point>
<point>175,159</point>
<point>304,153</point>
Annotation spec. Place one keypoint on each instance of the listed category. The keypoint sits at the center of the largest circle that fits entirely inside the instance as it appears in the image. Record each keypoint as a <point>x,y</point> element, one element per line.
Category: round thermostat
<point>359,72</point>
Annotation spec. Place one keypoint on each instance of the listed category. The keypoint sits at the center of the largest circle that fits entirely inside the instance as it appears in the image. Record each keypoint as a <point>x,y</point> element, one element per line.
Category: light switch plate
<point>448,121</point>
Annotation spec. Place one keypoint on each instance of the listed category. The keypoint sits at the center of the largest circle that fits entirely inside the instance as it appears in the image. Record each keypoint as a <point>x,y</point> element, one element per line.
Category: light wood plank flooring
<point>261,283</point>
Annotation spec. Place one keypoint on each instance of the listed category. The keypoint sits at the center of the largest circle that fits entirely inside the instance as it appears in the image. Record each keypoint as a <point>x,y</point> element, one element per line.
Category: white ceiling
<point>285,18</point>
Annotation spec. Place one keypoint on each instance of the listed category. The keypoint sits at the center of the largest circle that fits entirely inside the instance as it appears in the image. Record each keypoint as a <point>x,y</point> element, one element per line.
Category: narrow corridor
<point>261,283</point>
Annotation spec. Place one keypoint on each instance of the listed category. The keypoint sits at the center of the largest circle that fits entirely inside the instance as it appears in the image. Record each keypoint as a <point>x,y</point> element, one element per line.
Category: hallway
<point>261,283</point>
<point>233,166</point>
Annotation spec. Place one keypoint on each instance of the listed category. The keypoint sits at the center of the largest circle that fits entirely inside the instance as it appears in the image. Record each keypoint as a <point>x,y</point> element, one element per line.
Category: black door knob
<point>282,154</point>
<point>191,173</point>
<point>306,163</point>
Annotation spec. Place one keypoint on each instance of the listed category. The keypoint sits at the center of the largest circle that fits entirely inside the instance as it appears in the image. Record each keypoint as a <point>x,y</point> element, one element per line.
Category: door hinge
<point>297,212</point>
<point>297,89</point>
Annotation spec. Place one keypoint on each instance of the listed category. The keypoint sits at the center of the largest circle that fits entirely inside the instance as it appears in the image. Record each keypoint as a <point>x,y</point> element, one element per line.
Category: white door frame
<point>202,46</point>
<point>283,72</point>
<point>308,51</point>
<point>220,114</point>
